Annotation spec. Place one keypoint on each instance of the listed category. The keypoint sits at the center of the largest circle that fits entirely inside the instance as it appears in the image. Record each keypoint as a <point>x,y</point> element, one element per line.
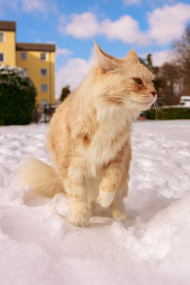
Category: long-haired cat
<point>89,138</point>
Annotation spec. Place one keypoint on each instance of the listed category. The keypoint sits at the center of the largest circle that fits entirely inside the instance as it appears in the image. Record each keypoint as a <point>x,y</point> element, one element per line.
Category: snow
<point>38,246</point>
<point>12,75</point>
<point>7,69</point>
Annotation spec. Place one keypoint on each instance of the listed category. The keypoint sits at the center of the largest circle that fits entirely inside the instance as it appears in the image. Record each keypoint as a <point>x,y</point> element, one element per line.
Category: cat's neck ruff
<point>105,110</point>
<point>116,115</point>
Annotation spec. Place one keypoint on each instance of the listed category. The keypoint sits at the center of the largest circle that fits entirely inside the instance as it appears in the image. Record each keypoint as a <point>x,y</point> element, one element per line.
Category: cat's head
<point>125,81</point>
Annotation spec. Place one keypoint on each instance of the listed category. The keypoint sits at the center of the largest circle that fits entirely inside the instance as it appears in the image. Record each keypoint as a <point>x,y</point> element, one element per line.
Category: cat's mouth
<point>143,105</point>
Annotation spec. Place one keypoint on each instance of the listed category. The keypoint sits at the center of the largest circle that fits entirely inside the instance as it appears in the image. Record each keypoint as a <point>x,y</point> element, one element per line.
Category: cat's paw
<point>118,215</point>
<point>79,220</point>
<point>105,198</point>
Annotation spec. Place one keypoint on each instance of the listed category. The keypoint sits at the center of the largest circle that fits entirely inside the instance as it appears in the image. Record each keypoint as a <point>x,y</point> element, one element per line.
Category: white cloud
<point>73,72</point>
<point>42,6</point>
<point>34,5</point>
<point>161,57</point>
<point>83,26</point>
<point>168,23</point>
<point>125,29</point>
<point>165,24</point>
<point>62,23</point>
<point>131,2</point>
<point>62,51</point>
<point>86,25</point>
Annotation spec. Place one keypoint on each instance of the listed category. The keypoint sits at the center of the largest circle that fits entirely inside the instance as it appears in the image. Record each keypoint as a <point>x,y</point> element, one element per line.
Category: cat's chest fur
<point>111,135</point>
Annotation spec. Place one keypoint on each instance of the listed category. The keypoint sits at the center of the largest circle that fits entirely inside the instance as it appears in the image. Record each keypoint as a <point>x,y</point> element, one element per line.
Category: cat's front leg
<point>110,183</point>
<point>78,208</point>
<point>117,208</point>
<point>76,190</point>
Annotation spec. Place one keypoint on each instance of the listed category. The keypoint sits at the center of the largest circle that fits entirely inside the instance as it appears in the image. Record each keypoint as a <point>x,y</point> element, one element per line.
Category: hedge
<point>17,97</point>
<point>172,113</point>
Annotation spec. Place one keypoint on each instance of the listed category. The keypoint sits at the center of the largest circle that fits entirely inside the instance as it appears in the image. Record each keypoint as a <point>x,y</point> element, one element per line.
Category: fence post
<point>45,114</point>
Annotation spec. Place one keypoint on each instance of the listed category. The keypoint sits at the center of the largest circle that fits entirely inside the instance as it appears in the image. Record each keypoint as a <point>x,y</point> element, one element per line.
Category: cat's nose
<point>154,93</point>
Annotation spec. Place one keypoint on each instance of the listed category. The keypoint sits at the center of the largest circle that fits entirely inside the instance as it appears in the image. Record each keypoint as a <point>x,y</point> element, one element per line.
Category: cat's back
<point>63,113</point>
<point>61,110</point>
<point>58,125</point>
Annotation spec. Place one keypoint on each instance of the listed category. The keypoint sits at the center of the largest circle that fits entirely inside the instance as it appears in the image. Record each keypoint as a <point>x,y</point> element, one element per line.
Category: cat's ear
<point>132,55</point>
<point>105,61</point>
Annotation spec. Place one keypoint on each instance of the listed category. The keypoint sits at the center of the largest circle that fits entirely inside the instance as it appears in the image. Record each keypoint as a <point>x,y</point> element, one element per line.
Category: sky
<point>149,26</point>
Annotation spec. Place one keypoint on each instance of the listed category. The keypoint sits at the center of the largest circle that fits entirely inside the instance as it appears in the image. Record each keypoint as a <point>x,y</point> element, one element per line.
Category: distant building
<point>37,59</point>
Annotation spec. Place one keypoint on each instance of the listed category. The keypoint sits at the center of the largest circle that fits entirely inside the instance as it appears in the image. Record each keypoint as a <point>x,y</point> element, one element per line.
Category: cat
<point>89,138</point>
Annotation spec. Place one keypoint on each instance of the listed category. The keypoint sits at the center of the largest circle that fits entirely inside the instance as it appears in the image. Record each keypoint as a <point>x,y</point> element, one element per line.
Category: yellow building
<point>37,59</point>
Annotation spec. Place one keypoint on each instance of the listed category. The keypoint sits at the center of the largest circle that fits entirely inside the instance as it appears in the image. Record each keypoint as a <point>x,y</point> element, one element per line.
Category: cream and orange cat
<point>89,138</point>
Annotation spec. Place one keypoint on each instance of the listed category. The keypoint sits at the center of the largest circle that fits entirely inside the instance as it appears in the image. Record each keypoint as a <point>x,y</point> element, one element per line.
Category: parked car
<point>185,101</point>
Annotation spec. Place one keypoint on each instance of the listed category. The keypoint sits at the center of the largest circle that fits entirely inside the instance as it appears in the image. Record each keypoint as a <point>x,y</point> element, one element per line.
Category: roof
<point>35,47</point>
<point>7,26</point>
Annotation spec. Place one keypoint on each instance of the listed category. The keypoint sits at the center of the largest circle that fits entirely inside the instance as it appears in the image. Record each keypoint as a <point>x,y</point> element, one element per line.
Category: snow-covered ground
<point>38,246</point>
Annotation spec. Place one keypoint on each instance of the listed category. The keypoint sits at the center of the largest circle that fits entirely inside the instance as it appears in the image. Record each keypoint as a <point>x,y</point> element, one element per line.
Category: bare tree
<point>172,76</point>
<point>182,49</point>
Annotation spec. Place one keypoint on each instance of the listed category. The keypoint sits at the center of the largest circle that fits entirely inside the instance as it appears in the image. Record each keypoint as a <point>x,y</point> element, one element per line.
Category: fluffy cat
<point>89,138</point>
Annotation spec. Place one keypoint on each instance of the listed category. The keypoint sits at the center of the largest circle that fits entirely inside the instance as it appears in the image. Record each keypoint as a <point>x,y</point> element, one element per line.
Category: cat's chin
<point>143,106</point>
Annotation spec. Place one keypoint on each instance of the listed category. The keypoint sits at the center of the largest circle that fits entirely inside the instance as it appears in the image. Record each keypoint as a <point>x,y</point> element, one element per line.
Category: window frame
<point>43,53</point>
<point>3,56</point>
<point>41,88</point>
<point>21,53</point>
<point>3,38</point>
<point>42,73</point>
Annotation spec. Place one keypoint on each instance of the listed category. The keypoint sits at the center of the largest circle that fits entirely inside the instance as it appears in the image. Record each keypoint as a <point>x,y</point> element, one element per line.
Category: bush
<point>173,113</point>
<point>17,96</point>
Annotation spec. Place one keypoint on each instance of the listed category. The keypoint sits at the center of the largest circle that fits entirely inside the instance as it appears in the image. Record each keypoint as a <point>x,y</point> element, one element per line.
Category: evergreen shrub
<point>172,113</point>
<point>17,96</point>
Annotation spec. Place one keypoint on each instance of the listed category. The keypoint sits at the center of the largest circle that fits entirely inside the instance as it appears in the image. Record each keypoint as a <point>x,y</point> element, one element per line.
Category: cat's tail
<point>41,177</point>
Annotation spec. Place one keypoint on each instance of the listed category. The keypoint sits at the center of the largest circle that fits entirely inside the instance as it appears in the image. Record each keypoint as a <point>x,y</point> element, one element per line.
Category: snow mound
<point>38,246</point>
<point>161,234</point>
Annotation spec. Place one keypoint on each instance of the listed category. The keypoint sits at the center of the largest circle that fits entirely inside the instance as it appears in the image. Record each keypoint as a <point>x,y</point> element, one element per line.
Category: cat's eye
<point>138,81</point>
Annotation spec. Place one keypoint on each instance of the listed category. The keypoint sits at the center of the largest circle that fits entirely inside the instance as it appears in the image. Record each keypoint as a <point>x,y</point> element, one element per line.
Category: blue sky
<point>148,26</point>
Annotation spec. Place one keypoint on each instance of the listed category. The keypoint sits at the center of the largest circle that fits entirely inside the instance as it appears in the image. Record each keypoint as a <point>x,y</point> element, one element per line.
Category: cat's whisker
<point>155,107</point>
<point>158,110</point>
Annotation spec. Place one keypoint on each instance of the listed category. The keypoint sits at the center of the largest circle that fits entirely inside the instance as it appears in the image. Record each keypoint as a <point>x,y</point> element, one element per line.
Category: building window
<point>23,55</point>
<point>25,69</point>
<point>42,56</point>
<point>44,88</point>
<point>43,103</point>
<point>43,72</point>
<point>2,57</point>
<point>2,37</point>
